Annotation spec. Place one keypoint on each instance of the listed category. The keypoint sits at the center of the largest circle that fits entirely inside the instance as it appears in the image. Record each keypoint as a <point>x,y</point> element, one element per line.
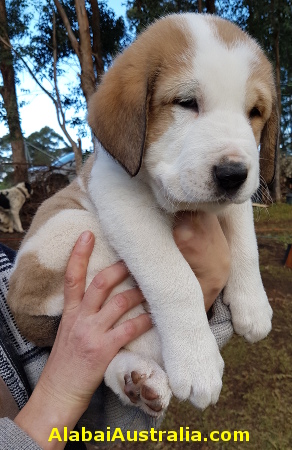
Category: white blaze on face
<point>182,160</point>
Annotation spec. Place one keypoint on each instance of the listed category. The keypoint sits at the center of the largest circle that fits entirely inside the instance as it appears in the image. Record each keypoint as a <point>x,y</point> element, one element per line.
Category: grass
<point>277,213</point>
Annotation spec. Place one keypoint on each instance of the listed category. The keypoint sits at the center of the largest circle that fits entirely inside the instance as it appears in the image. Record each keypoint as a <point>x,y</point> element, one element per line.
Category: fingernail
<point>85,237</point>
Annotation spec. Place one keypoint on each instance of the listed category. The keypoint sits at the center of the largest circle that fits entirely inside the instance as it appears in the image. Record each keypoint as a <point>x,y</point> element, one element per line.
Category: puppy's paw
<point>146,392</point>
<point>139,382</point>
<point>195,373</point>
<point>252,316</point>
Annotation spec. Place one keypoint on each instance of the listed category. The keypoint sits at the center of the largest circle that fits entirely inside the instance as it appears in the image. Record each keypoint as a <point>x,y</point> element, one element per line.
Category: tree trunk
<point>276,186</point>
<point>210,5</point>
<point>277,183</point>
<point>86,62</point>
<point>96,41</point>
<point>8,93</point>
<point>58,105</point>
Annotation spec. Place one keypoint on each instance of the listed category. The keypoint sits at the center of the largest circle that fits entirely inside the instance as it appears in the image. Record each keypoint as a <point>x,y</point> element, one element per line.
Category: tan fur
<point>269,145</point>
<point>118,111</point>
<point>227,32</point>
<point>42,330</point>
<point>68,198</point>
<point>46,283</point>
<point>86,171</point>
<point>261,84</point>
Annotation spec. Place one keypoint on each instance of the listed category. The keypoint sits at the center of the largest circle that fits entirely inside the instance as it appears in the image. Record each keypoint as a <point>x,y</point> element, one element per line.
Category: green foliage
<point>30,32</point>
<point>112,30</point>
<point>18,18</point>
<point>46,145</point>
<point>42,148</point>
<point>143,13</point>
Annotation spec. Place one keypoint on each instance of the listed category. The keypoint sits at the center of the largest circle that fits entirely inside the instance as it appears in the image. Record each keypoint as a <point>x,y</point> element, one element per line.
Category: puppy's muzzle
<point>229,176</point>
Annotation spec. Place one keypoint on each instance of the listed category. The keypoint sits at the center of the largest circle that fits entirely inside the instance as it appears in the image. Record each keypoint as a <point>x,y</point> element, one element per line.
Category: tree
<point>143,12</point>
<point>45,145</point>
<point>42,147</point>
<point>83,29</point>
<point>270,22</point>
<point>8,93</point>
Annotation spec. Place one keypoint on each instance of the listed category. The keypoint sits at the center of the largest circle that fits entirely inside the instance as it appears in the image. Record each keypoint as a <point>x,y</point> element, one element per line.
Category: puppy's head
<point>188,105</point>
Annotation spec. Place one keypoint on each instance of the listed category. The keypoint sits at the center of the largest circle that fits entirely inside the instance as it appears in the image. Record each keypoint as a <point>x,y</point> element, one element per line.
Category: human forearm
<point>85,344</point>
<point>45,412</point>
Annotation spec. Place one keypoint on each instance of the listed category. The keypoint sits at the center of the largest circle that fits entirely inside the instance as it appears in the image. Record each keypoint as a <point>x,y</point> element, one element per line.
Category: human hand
<point>85,344</point>
<point>201,241</point>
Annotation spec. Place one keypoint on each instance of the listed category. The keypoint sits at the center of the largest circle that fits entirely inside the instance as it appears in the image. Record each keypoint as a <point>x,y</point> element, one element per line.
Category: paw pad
<point>137,390</point>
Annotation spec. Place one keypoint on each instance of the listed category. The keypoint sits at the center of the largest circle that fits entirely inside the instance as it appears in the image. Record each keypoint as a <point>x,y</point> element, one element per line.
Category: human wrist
<point>44,412</point>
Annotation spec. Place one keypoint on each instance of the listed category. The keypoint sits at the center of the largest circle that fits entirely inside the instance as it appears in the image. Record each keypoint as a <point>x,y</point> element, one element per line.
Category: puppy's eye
<point>188,104</point>
<point>254,112</point>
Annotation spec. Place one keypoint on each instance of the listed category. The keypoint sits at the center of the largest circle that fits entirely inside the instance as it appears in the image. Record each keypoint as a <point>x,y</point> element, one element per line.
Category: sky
<point>39,110</point>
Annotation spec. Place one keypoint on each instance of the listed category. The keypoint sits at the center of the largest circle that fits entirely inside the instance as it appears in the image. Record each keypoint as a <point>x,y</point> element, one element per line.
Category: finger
<point>102,285</point>
<point>118,306</point>
<point>128,331</point>
<point>186,234</point>
<point>75,276</point>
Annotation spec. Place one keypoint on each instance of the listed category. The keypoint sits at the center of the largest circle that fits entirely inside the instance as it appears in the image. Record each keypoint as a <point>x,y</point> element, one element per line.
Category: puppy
<point>11,202</point>
<point>178,119</point>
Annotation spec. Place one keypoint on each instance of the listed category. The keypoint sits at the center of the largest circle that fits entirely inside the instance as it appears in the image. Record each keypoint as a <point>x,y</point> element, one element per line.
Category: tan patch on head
<point>30,285</point>
<point>119,110</point>
<point>228,33</point>
<point>261,93</point>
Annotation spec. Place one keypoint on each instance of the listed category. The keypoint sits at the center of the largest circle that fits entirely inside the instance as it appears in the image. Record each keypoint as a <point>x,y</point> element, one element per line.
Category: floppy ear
<point>118,110</point>
<point>269,146</point>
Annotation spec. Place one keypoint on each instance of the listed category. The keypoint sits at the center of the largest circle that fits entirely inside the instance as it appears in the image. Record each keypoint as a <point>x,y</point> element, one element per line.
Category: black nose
<point>230,175</point>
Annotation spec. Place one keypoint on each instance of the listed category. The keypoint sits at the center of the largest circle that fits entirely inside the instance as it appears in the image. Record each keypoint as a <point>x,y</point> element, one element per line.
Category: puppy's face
<point>208,103</point>
<point>206,121</point>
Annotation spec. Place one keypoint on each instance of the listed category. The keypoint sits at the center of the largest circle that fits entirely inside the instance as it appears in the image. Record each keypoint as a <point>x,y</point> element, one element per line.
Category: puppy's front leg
<point>142,236</point>
<point>244,293</point>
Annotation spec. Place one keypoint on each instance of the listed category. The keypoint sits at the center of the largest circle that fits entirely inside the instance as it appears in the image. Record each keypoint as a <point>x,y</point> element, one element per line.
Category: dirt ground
<point>257,384</point>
